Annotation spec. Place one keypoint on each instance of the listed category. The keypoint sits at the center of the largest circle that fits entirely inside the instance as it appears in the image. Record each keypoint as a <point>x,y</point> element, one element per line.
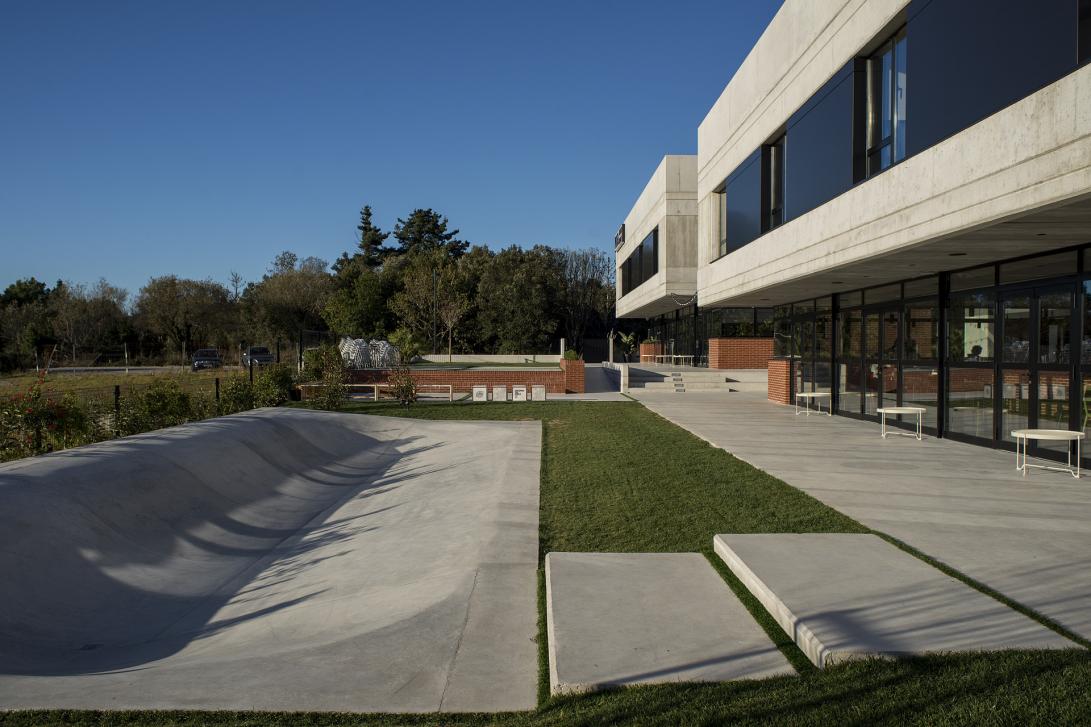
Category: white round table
<point>904,411</point>
<point>1047,435</point>
<point>815,396</point>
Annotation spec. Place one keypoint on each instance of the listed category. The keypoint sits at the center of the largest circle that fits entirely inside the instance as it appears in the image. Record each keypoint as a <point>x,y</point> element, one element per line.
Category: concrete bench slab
<point>640,618</point>
<point>850,596</point>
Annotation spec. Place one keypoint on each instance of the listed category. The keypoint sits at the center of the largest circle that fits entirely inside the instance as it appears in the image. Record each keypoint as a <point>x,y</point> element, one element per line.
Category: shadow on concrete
<point>122,553</point>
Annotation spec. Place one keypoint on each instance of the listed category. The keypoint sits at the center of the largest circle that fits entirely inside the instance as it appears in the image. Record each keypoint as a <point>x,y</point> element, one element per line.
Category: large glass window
<point>642,263</point>
<point>849,371</point>
<point>773,185</point>
<point>886,104</point>
<point>721,218</point>
<point>971,327</point>
<point>1017,329</point>
<point>1054,327</point>
<point>970,401</point>
<point>921,331</point>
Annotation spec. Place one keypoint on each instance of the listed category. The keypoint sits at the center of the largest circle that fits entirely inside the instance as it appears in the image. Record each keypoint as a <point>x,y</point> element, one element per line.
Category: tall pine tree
<point>426,231</point>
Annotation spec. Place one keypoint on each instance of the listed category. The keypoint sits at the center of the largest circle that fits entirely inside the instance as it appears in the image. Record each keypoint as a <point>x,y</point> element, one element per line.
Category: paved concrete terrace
<point>643,618</point>
<point>277,560</point>
<point>964,505</point>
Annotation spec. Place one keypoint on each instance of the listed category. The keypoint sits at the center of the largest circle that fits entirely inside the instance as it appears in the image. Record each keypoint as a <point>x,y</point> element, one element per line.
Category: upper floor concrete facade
<point>1009,175</point>
<point>663,220</point>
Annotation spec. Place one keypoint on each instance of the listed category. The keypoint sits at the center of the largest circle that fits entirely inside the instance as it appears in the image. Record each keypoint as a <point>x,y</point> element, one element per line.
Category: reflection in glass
<point>849,372</point>
<point>1015,391</point>
<point>872,374</point>
<point>972,327</point>
<point>1053,407</point>
<point>920,387</point>
<point>970,401</point>
<point>892,335</point>
<point>922,332</point>
<point>1055,317</point>
<point>1017,329</point>
<point>1085,355</point>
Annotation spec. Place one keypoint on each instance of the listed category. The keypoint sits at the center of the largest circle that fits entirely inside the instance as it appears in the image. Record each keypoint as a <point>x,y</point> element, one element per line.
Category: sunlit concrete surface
<point>844,596</point>
<point>277,559</point>
<point>643,618</point>
<point>964,505</point>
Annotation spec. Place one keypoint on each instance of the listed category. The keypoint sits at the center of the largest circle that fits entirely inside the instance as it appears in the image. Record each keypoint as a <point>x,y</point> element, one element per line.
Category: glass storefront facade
<point>983,351</point>
<point>684,332</point>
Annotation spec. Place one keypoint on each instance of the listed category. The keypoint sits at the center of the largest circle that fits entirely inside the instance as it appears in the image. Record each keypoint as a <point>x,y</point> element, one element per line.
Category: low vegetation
<point>50,414</point>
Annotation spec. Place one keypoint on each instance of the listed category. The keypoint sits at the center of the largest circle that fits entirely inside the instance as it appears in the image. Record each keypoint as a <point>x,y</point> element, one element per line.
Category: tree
<point>182,311</point>
<point>452,305</point>
<point>85,318</point>
<point>371,240</point>
<point>515,299</point>
<point>290,297</point>
<point>425,231</point>
<point>587,292</point>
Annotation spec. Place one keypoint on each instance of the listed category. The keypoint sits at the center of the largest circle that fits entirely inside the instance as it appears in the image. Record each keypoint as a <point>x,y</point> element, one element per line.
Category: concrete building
<point>907,184</point>
<point>656,263</point>
<point>656,247</point>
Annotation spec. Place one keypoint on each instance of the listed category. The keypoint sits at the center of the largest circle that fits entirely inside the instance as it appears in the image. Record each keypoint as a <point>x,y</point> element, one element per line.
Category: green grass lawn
<point>616,477</point>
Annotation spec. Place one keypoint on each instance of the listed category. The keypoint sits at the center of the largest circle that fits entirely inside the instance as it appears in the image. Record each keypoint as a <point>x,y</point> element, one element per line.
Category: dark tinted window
<point>773,185</point>
<point>1085,31</point>
<point>972,58</point>
<point>819,147</point>
<point>743,192</point>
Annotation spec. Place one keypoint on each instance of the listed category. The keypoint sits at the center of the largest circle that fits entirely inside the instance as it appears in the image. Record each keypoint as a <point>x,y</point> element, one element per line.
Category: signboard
<point>619,238</point>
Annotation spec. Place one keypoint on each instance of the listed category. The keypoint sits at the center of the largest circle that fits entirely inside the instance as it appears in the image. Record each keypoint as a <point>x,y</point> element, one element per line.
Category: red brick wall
<point>463,379</point>
<point>573,376</point>
<point>739,353</point>
<point>780,380</point>
<point>654,348</point>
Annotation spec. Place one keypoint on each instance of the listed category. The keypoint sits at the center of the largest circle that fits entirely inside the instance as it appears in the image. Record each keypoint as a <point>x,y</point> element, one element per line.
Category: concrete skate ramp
<point>277,559</point>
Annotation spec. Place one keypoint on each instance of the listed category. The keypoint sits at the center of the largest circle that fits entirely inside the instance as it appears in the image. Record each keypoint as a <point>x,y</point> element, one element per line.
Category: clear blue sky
<point>196,138</point>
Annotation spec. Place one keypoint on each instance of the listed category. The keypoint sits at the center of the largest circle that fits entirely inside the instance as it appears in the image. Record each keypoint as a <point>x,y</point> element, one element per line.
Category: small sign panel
<point>619,238</point>
<point>518,393</point>
<point>481,393</point>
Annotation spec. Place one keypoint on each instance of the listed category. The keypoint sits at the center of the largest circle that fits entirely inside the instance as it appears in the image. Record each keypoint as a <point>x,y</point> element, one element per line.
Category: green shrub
<point>161,404</point>
<point>333,390</point>
<point>236,394</point>
<point>273,386</point>
<point>571,355</point>
<point>312,364</point>
<point>408,344</point>
<point>403,386</point>
<point>34,423</point>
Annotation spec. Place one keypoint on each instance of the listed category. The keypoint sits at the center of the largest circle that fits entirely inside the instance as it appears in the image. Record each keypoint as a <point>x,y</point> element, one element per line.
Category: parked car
<point>258,355</point>
<point>207,358</point>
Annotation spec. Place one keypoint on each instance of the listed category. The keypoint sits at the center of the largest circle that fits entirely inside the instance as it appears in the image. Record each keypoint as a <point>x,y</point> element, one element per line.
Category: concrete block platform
<point>639,618</point>
<point>851,596</point>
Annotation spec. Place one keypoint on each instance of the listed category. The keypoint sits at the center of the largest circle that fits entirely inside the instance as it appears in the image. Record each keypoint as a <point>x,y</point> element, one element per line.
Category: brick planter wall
<point>739,353</point>
<point>655,348</point>
<point>780,380</point>
<point>573,376</point>
<point>464,379</point>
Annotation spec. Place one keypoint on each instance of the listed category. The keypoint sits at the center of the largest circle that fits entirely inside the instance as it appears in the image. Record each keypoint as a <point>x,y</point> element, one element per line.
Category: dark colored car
<point>259,355</point>
<point>207,358</point>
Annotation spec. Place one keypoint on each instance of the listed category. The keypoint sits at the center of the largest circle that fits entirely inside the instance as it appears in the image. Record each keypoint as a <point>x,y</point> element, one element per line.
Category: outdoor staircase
<point>682,380</point>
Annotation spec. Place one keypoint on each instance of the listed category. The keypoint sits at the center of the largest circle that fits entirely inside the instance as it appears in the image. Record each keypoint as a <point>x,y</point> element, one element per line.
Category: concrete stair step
<point>845,596</point>
<point>639,618</point>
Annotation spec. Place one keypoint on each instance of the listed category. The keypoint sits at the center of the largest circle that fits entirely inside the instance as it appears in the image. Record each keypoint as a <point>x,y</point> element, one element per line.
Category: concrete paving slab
<point>278,560</point>
<point>643,618</point>
<point>851,596</point>
<point>961,504</point>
